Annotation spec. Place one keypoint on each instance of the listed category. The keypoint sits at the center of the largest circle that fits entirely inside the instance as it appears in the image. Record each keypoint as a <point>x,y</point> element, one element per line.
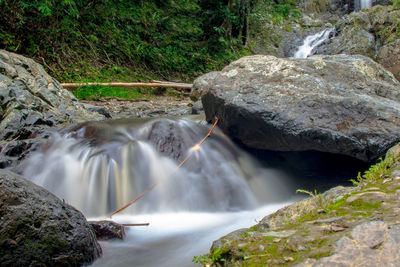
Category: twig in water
<point>195,147</point>
<point>6,144</point>
<point>135,224</point>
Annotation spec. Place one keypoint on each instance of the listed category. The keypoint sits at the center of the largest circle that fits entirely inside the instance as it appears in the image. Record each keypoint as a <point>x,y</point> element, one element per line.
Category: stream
<point>99,166</point>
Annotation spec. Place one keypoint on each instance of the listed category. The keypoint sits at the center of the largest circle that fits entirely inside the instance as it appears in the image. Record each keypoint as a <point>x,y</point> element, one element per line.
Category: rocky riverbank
<point>345,226</point>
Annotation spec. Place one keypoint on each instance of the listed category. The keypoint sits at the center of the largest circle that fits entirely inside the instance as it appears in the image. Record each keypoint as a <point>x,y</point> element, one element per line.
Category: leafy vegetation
<point>95,92</point>
<point>378,171</point>
<point>133,40</point>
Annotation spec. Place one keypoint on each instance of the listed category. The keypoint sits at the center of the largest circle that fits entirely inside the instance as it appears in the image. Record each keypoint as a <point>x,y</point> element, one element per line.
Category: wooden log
<point>131,85</point>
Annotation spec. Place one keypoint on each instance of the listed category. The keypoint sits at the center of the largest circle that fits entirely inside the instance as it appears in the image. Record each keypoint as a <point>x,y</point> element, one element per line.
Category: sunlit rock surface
<point>339,104</point>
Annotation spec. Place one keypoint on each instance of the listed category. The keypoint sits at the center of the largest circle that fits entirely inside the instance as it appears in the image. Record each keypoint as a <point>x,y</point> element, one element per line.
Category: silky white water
<point>365,4</point>
<point>173,239</point>
<point>311,42</point>
<point>99,167</point>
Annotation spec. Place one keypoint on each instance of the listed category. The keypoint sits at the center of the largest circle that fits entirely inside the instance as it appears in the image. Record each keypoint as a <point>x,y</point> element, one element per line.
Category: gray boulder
<point>31,102</point>
<point>38,229</point>
<point>339,104</point>
<point>389,56</point>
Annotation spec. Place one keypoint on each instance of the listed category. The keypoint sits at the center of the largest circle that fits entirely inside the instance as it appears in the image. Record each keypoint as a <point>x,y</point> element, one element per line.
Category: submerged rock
<point>31,102</point>
<point>339,104</point>
<point>38,229</point>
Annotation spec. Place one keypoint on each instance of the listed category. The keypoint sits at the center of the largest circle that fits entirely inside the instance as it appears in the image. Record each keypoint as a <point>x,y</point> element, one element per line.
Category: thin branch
<point>135,224</point>
<point>7,143</point>
<point>196,147</point>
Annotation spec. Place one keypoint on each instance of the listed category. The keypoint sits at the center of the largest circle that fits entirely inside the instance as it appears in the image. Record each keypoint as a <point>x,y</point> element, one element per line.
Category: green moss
<point>361,205</point>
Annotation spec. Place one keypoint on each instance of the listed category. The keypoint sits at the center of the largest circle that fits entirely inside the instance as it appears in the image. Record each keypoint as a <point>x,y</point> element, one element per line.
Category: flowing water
<point>365,4</point>
<point>98,167</point>
<point>311,42</point>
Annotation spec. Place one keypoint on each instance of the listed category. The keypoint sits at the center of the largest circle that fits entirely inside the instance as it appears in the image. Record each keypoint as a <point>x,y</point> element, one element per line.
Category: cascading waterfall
<point>311,42</point>
<point>99,168</point>
<point>361,4</point>
<point>365,4</point>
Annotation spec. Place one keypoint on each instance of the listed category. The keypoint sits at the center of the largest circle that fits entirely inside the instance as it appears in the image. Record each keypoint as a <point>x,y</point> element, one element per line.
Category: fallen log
<point>69,86</point>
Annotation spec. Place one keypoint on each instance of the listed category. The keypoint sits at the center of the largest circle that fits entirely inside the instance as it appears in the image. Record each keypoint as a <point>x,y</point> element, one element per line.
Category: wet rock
<point>100,110</point>
<point>38,229</point>
<point>339,104</point>
<point>350,39</point>
<point>106,230</point>
<point>31,103</point>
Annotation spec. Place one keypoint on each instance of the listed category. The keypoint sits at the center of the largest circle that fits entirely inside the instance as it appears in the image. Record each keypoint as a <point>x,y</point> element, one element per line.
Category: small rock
<point>276,240</point>
<point>106,230</point>
<point>335,228</point>
<point>329,220</point>
<point>261,248</point>
<point>287,259</point>
<point>301,248</point>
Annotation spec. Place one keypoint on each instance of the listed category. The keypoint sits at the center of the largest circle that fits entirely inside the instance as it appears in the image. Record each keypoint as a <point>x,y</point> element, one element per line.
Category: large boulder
<point>38,229</point>
<point>31,102</point>
<point>339,104</point>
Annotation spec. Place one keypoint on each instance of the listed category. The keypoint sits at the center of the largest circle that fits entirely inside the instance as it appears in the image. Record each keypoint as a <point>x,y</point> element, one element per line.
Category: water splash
<point>100,167</point>
<point>311,42</point>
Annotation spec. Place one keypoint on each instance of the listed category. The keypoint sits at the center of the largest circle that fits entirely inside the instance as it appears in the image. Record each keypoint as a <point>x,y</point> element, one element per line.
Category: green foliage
<point>396,3</point>
<point>274,11</point>
<point>95,92</point>
<point>160,38</point>
<point>218,254</point>
<point>378,171</point>
<point>203,259</point>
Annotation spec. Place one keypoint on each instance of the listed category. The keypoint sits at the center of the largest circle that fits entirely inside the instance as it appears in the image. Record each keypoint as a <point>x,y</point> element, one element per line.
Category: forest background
<point>116,40</point>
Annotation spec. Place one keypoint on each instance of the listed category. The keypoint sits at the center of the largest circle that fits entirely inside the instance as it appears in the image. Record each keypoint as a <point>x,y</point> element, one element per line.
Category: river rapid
<point>100,166</point>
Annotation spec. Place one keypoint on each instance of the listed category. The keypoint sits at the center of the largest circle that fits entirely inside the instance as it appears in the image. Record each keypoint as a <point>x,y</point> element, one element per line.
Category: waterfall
<point>311,42</point>
<point>365,4</point>
<point>361,4</point>
<point>100,167</point>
